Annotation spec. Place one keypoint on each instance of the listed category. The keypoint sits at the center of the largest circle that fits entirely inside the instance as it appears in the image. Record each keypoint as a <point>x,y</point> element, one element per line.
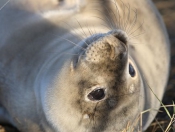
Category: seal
<point>81,65</point>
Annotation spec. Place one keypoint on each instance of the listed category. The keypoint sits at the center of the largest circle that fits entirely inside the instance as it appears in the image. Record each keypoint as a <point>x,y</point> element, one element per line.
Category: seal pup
<point>64,70</point>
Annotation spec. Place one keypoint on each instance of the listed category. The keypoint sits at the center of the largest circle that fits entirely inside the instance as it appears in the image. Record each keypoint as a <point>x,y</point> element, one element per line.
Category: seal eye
<point>131,70</point>
<point>96,94</point>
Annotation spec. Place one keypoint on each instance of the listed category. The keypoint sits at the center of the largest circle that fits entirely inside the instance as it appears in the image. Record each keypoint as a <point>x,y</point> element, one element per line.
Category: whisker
<point>81,27</point>
<point>4,5</point>
<point>125,22</point>
<point>123,8</point>
<point>118,12</point>
<point>72,43</point>
<point>112,21</point>
<point>73,54</point>
<point>76,33</point>
<point>105,15</point>
<point>93,35</point>
<point>68,41</point>
<point>133,22</point>
<point>136,29</point>
<point>94,29</point>
<point>136,36</point>
<point>103,24</point>
<point>90,31</point>
<point>115,16</point>
<point>111,26</point>
<point>128,18</point>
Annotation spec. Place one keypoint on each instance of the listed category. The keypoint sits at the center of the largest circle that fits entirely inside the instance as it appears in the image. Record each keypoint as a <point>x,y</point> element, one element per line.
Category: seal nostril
<point>121,36</point>
<point>122,39</point>
<point>121,56</point>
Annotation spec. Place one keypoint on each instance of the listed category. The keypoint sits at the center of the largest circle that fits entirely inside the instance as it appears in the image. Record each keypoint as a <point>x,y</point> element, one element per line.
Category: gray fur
<point>54,53</point>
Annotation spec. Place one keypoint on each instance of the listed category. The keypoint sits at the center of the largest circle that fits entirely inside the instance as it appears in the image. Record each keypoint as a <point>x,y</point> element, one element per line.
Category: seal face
<point>62,70</point>
<point>105,84</point>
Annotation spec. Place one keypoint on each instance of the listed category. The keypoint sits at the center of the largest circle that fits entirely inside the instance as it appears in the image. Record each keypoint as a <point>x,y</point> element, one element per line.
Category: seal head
<point>102,78</point>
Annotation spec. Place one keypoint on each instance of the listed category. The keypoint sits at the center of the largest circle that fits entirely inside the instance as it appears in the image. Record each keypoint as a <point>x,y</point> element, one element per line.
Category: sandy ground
<point>167,9</point>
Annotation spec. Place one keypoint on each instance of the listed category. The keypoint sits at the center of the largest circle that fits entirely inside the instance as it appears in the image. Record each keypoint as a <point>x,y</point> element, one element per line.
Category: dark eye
<point>131,70</point>
<point>96,94</point>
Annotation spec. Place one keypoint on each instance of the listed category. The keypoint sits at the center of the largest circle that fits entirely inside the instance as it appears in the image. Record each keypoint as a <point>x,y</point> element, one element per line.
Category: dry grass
<point>166,125</point>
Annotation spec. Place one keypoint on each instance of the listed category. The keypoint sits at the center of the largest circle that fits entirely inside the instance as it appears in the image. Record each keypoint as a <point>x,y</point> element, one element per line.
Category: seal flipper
<point>45,6</point>
<point>72,4</point>
<point>65,7</point>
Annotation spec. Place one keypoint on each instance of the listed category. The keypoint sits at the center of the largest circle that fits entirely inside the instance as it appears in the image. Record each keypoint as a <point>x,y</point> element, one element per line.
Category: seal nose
<point>111,46</point>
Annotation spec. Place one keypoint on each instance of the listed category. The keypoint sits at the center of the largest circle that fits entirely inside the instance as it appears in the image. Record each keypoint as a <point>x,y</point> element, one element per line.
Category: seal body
<point>81,66</point>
